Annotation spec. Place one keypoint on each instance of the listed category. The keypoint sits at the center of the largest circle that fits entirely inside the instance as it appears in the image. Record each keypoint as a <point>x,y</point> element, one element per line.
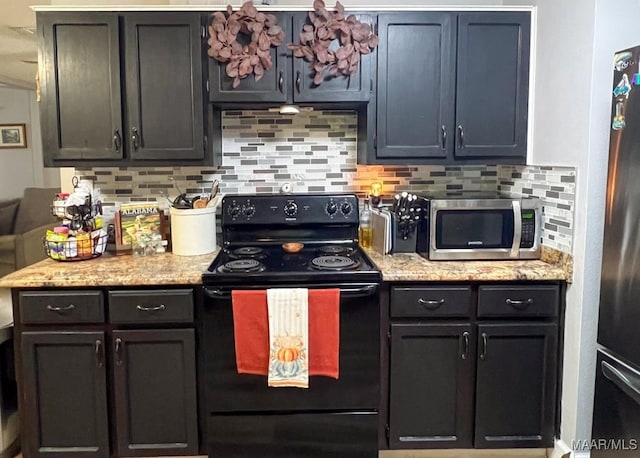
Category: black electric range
<point>332,417</point>
<point>254,228</point>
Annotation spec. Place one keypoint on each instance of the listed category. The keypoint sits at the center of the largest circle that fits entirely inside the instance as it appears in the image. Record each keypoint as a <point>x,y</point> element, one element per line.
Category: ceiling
<point>18,50</point>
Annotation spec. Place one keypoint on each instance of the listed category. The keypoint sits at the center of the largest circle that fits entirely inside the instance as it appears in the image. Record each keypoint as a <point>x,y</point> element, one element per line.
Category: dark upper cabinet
<point>492,85</point>
<point>290,80</point>
<point>274,86</point>
<point>64,394</point>
<point>431,389</point>
<point>354,88</point>
<point>163,72</point>
<point>451,88</point>
<point>121,89</point>
<point>80,108</point>
<point>516,385</point>
<point>153,365</point>
<point>415,94</point>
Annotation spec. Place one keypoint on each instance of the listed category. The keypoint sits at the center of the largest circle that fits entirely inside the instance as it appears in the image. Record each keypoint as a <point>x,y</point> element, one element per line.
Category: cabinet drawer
<point>526,300</point>
<point>43,307</point>
<point>425,301</point>
<point>155,306</point>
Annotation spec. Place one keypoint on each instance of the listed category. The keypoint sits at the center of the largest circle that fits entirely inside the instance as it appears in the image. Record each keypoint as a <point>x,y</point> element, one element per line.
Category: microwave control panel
<point>528,229</point>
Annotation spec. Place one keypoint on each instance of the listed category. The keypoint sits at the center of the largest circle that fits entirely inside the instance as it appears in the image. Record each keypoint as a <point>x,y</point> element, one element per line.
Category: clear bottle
<point>365,226</point>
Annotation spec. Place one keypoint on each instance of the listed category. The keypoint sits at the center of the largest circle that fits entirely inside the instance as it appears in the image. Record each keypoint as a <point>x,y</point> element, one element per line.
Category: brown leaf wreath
<point>254,57</point>
<point>355,38</point>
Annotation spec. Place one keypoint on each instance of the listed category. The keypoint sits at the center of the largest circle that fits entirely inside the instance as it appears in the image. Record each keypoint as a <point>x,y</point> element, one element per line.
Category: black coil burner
<point>251,252</point>
<point>333,263</point>
<point>335,250</point>
<point>242,265</point>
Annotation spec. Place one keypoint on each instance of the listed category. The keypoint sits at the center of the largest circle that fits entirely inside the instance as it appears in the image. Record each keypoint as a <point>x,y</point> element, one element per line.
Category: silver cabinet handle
<point>63,309</point>
<point>444,136</point>
<point>431,304</point>
<point>117,140</point>
<point>157,308</point>
<point>460,137</point>
<point>135,138</point>
<point>465,345</point>
<point>281,82</point>
<point>298,81</point>
<point>99,350</point>
<point>518,304</point>
<point>118,351</point>
<point>483,350</point>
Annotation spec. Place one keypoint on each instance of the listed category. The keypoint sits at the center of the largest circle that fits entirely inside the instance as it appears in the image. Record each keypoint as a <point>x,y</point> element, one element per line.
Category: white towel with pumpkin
<point>288,310</point>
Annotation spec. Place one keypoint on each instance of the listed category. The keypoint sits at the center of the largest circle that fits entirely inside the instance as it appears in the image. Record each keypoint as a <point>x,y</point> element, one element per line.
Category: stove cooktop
<point>271,264</point>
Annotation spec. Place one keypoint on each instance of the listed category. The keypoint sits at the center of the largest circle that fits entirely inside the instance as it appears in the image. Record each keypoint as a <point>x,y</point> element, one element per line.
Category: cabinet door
<point>165,109</point>
<point>492,85</point>
<point>431,386</point>
<point>416,71</point>
<point>516,385</point>
<point>155,392</point>
<point>354,88</point>
<point>64,395</point>
<point>79,69</point>
<point>272,87</point>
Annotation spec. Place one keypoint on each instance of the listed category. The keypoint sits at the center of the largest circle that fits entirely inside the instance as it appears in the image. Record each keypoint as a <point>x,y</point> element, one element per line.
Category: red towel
<point>251,331</point>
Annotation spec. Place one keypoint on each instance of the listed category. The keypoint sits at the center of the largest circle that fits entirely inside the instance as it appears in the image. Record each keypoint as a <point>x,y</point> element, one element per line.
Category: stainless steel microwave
<point>473,226</point>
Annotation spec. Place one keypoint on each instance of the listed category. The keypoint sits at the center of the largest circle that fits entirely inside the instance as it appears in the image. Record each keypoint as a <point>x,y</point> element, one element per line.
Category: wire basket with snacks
<point>80,236</point>
<point>61,245</point>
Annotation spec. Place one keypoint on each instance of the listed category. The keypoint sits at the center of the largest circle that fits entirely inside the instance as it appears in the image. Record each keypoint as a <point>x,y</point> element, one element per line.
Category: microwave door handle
<point>517,229</point>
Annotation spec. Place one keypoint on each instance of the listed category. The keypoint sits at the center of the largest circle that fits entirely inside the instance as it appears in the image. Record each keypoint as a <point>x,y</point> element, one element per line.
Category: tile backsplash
<point>316,152</point>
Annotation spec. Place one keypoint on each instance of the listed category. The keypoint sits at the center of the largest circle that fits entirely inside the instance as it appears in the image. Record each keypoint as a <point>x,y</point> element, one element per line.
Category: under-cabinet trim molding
<point>206,8</point>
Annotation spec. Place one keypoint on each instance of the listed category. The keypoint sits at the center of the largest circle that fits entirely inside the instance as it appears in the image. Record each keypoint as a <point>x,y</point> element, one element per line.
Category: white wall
<point>573,81</point>
<point>22,167</point>
<point>562,123</point>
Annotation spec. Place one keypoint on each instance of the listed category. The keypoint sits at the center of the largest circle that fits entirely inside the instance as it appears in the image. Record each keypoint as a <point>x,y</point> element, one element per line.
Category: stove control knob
<point>346,208</point>
<point>291,209</point>
<point>332,208</point>
<point>249,211</point>
<point>234,211</point>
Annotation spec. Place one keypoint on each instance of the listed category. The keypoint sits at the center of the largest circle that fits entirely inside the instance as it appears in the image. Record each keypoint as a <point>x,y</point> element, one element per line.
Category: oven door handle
<point>367,290</point>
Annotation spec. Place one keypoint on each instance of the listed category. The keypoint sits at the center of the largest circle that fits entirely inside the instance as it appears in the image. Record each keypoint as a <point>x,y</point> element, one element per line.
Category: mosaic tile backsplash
<point>316,152</point>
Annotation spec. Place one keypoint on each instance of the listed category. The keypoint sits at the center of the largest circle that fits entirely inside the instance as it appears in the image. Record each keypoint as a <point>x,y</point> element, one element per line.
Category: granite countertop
<point>170,269</point>
<point>413,267</point>
<point>111,270</point>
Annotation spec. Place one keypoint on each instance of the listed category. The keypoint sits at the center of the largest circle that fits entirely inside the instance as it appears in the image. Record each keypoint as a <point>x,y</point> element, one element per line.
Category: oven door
<point>475,229</point>
<point>356,389</point>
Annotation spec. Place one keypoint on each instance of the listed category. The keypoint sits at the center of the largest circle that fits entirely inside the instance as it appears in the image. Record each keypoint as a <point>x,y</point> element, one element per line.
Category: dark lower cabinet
<point>155,392</point>
<point>65,395</point>
<point>431,397</point>
<point>516,385</point>
<point>475,383</point>
<point>89,388</point>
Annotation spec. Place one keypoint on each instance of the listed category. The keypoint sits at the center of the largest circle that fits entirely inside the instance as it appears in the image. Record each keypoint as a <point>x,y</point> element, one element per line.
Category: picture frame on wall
<point>13,136</point>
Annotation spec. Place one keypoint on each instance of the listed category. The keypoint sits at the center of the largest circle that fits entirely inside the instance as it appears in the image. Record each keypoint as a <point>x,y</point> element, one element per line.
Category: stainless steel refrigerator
<point>616,418</point>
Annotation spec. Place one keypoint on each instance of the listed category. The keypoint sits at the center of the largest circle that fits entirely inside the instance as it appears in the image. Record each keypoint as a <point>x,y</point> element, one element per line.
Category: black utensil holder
<point>404,235</point>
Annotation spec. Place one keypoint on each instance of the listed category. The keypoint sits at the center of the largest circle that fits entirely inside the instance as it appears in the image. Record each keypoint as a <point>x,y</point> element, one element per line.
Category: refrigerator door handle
<point>627,382</point>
